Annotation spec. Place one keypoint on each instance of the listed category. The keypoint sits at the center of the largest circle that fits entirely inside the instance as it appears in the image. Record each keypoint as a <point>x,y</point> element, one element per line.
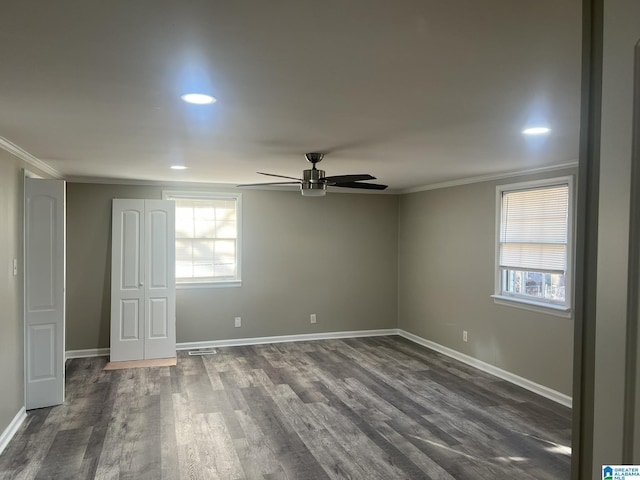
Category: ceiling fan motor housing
<point>312,175</point>
<point>312,185</point>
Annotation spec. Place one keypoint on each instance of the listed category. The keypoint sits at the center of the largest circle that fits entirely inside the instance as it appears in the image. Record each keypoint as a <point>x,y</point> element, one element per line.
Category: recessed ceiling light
<point>178,167</point>
<point>198,98</point>
<point>536,131</point>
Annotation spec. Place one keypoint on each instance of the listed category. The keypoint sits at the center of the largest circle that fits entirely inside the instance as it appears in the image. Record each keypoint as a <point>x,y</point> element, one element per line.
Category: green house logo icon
<point>607,473</point>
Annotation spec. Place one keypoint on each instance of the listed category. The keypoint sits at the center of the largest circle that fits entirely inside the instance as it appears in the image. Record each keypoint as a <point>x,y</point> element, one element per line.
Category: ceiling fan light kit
<point>314,182</point>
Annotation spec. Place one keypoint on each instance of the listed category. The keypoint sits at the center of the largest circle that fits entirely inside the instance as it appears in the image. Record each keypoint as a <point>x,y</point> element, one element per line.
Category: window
<point>534,245</point>
<point>207,238</point>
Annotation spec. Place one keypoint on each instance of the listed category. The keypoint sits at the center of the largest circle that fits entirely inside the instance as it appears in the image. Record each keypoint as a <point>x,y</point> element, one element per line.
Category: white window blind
<point>207,237</point>
<point>534,229</point>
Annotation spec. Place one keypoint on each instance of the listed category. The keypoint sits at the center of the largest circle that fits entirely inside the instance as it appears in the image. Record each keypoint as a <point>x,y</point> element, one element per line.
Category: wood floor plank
<point>367,408</point>
<point>336,461</point>
<point>169,443</point>
<point>64,458</point>
<point>216,447</point>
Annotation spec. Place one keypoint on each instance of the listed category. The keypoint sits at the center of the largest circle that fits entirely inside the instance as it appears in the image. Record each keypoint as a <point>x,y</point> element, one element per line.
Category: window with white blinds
<point>533,229</point>
<point>534,242</point>
<point>207,237</point>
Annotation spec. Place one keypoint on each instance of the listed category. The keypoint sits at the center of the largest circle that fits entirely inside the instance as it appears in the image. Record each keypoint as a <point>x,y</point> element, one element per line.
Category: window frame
<point>549,307</point>
<point>213,195</point>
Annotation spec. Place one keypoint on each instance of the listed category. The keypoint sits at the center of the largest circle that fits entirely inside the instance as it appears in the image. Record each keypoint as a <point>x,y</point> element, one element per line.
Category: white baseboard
<point>236,342</point>
<point>89,352</point>
<point>304,337</point>
<point>541,390</point>
<point>546,392</point>
<point>12,428</point>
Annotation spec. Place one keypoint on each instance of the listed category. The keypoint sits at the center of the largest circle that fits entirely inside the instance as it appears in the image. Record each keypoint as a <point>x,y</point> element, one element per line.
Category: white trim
<point>188,285</point>
<point>89,352</point>
<point>541,390</point>
<point>12,428</point>
<point>487,178</point>
<point>235,342</point>
<point>26,157</point>
<point>304,337</point>
<point>206,195</point>
<point>539,307</point>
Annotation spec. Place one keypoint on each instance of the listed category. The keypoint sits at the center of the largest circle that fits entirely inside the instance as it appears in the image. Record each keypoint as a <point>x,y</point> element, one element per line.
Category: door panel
<point>42,350</point>
<point>130,244</point>
<point>158,249</point>
<point>160,290</point>
<point>159,318</point>
<point>44,291</point>
<point>127,284</point>
<point>129,319</point>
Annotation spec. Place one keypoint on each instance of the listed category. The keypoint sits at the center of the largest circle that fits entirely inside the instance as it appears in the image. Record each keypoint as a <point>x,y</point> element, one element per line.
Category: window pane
<point>184,269</point>
<point>539,285</point>
<point>226,229</point>
<point>184,222</point>
<point>206,238</point>
<point>225,270</point>
<point>184,251</point>
<point>202,270</point>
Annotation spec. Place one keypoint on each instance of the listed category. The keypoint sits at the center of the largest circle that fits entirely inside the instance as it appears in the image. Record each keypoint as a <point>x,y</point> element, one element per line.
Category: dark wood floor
<point>370,408</point>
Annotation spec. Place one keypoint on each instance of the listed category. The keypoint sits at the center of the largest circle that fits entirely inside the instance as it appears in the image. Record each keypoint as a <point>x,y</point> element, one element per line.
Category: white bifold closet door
<point>143,287</point>
<point>44,304</point>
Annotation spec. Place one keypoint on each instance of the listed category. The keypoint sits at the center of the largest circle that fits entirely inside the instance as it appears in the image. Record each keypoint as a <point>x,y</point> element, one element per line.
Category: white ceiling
<point>414,92</point>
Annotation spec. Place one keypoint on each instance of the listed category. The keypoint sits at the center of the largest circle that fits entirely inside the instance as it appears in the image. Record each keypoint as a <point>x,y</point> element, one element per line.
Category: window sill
<point>190,285</point>
<point>540,307</point>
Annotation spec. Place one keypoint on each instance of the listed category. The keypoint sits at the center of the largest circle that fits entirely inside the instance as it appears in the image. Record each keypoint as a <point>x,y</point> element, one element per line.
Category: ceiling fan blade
<point>365,186</point>
<point>279,176</point>
<point>336,179</point>
<point>268,183</point>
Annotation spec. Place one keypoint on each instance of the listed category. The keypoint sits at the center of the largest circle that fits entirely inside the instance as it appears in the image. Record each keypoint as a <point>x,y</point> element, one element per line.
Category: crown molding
<point>29,159</point>
<point>488,178</point>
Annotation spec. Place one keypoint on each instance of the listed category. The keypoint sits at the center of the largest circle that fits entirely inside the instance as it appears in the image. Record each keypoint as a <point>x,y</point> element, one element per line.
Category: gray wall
<point>446,277</point>
<point>11,287</point>
<point>334,256</point>
<point>11,298</point>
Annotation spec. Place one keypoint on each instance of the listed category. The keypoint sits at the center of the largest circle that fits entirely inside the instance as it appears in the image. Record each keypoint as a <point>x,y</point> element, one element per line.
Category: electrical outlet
<point>465,337</point>
<point>238,322</point>
<point>313,318</point>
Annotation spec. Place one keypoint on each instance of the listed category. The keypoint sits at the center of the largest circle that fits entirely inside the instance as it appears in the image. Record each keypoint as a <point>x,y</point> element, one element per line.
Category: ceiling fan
<point>314,183</point>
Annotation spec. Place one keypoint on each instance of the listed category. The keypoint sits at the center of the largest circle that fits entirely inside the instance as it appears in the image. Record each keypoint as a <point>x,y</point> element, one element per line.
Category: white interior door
<point>44,291</point>
<point>160,287</point>
<point>143,322</point>
<point>127,281</point>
